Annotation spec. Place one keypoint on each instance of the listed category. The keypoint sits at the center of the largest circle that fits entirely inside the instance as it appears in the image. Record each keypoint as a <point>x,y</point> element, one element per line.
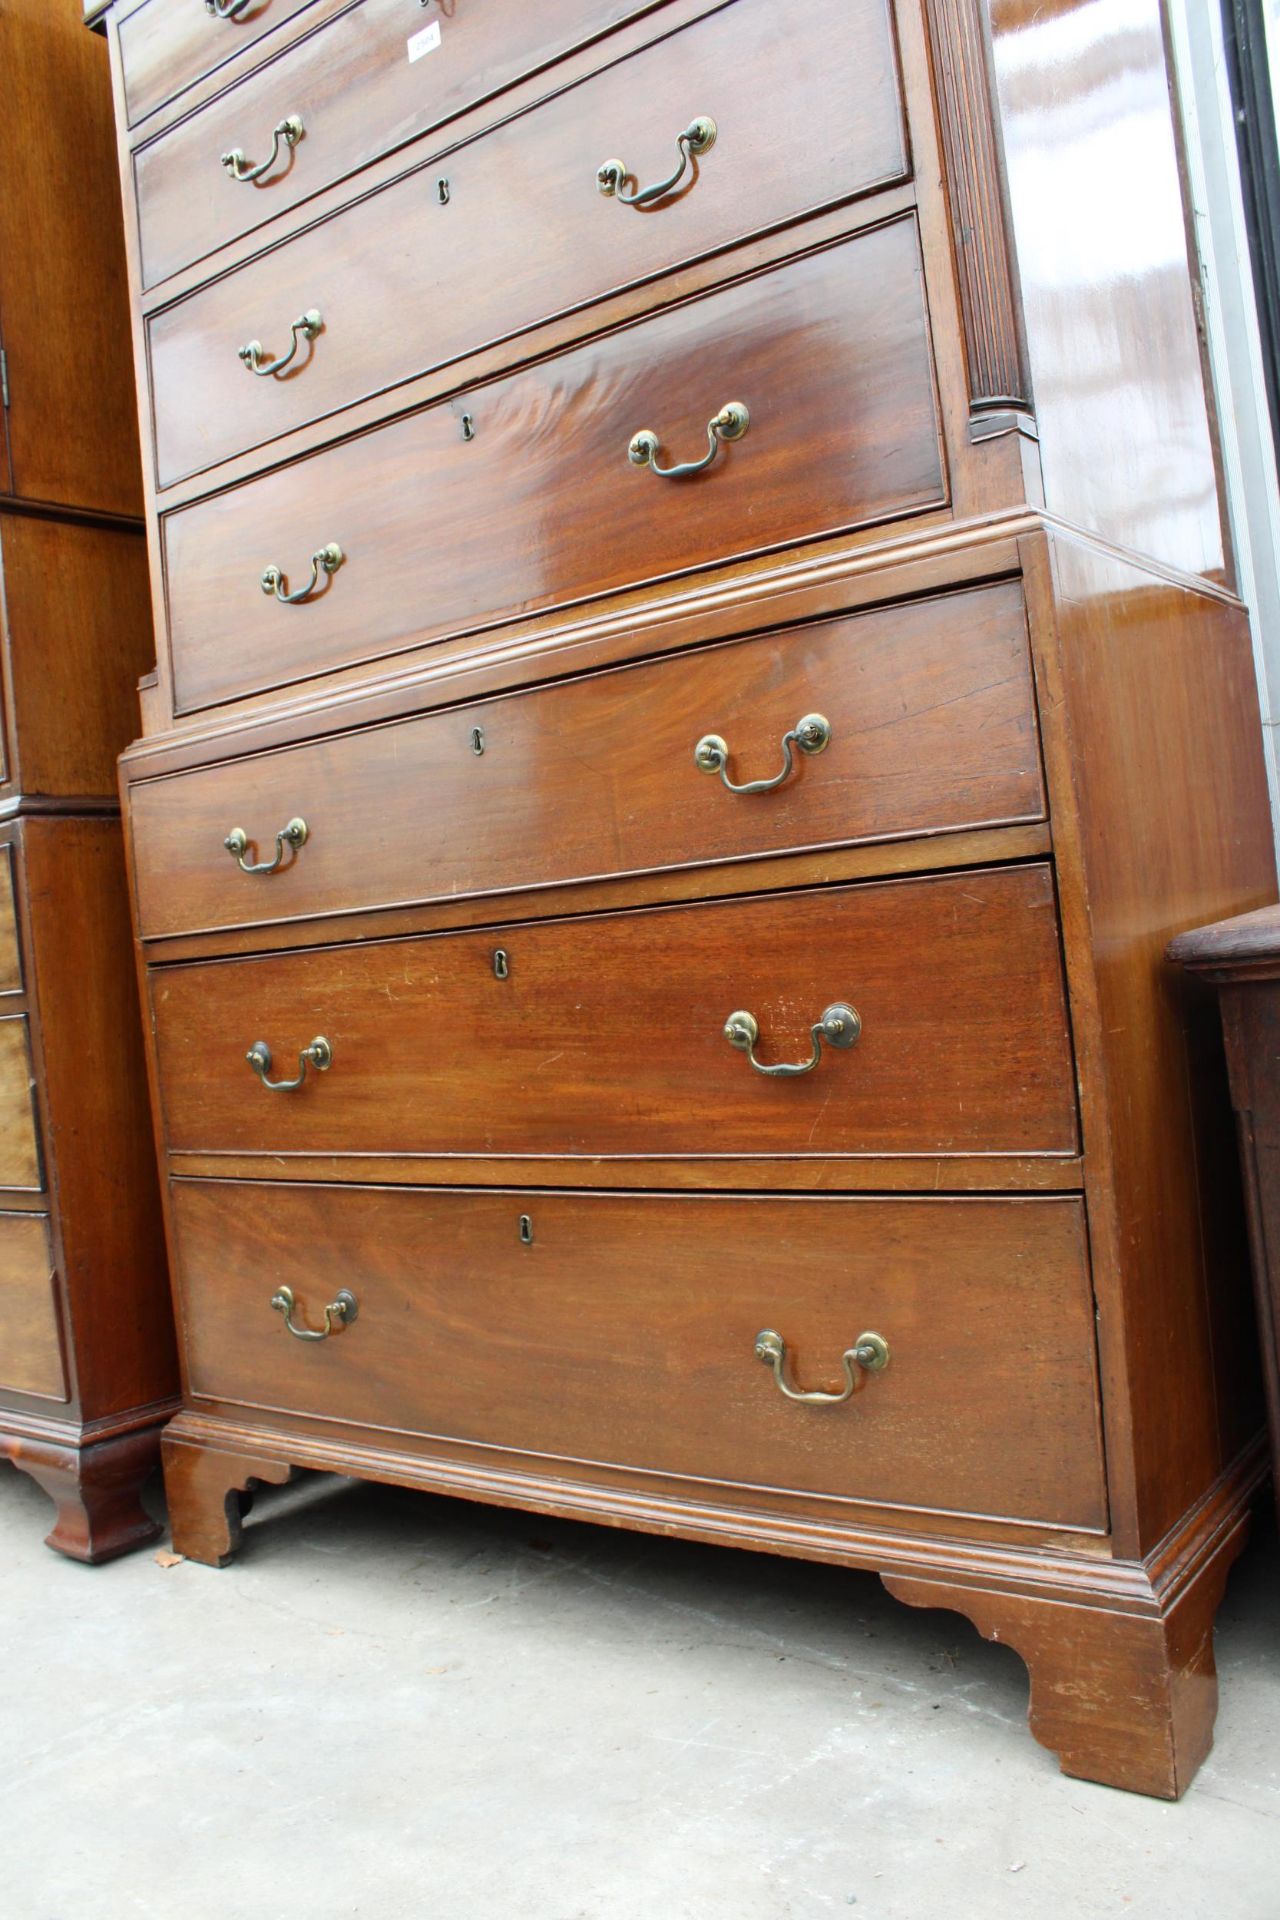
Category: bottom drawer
<point>30,1343</point>
<point>623,1329</point>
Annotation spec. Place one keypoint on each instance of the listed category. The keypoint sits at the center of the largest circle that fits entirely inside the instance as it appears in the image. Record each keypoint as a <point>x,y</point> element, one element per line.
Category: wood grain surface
<point>932,728</point>
<point>829,353</point>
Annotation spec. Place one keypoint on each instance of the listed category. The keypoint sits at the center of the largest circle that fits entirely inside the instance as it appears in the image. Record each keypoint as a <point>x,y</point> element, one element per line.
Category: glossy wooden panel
<point>1095,184</point>
<point>626,1332</point>
<point>933,728</point>
<point>10,949</point>
<point>359,96</point>
<point>1158,794</point>
<point>77,631</point>
<point>830,354</point>
<point>165,45</point>
<point>607,1037</point>
<point>64,310</point>
<point>526,233</point>
<point>99,1144</point>
<point>19,1145</point>
<point>30,1342</point>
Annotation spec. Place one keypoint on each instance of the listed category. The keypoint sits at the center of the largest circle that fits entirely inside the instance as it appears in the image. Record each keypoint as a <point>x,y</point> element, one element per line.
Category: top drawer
<point>166,45</point>
<point>378,74</point>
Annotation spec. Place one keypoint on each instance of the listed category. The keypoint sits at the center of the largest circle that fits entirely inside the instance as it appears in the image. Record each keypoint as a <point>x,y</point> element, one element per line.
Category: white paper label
<point>425,42</point>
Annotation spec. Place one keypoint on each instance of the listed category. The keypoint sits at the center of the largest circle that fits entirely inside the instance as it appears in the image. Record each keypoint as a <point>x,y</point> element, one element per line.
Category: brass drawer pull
<point>342,1310</point>
<point>870,1351</point>
<point>237,844</point>
<point>730,423</point>
<point>811,735</point>
<point>318,1055</point>
<point>326,560</point>
<point>696,138</point>
<point>225,9</point>
<point>305,327</point>
<point>290,130</point>
<point>839,1026</point>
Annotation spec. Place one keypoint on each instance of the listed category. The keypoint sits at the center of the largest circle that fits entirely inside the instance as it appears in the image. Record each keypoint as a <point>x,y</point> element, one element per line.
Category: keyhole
<point>442,191</point>
<point>526,1230</point>
<point>468,427</point>
<point>477,741</point>
<point>501,965</point>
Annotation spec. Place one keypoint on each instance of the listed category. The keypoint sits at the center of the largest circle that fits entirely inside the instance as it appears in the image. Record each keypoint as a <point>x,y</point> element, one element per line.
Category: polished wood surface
<point>1123,412</point>
<point>19,1144</point>
<point>534,180</point>
<point>95,1488</point>
<point>933,728</point>
<point>165,45</point>
<point>609,1332</point>
<point>525,232</point>
<point>71,704</point>
<point>1242,957</point>
<point>31,1351</point>
<point>829,353</point>
<point>966,1052</point>
<point>1144,687</point>
<point>70,426</point>
<point>987,289</point>
<point>98,1141</point>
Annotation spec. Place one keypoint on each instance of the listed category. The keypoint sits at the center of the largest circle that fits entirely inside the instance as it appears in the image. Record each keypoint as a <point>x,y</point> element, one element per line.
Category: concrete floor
<point>402,1707</point>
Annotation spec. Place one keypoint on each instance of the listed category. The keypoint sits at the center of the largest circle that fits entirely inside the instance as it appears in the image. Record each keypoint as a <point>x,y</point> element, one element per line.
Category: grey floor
<point>397,1706</point>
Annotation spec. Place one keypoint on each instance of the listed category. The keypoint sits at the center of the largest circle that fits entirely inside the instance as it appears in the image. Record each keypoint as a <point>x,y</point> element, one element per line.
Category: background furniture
<point>698,666</point>
<point>1242,958</point>
<point>87,1364</point>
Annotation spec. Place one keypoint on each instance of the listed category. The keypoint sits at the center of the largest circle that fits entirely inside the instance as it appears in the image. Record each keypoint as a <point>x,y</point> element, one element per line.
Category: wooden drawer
<point>10,947</point>
<point>404,283</point>
<point>625,1333</point>
<point>607,1034</point>
<point>829,353</point>
<point>932,724</point>
<point>167,45</point>
<point>30,1338</point>
<point>359,92</point>
<point>19,1141</point>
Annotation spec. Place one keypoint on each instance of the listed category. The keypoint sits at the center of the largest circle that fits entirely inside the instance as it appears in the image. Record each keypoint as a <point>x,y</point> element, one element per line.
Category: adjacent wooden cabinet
<point>698,668</point>
<point>88,1368</point>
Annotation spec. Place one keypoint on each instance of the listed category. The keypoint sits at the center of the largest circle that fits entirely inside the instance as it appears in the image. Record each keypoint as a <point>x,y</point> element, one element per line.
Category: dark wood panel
<point>404,283</point>
<point>358,96</point>
<point>100,1145</point>
<point>78,633</point>
<point>72,419</point>
<point>1158,794</point>
<point>626,1332</point>
<point>165,45</point>
<point>829,353</point>
<point>932,727</point>
<point>607,1035</point>
<point>30,1341</point>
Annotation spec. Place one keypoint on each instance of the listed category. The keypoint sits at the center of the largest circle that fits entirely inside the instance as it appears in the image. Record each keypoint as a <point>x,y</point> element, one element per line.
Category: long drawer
<point>931,727</point>
<point>369,79</point>
<point>624,1331</point>
<point>513,228</point>
<point>605,1035</point>
<point>30,1334</point>
<point>522,494</point>
<point>167,45</point>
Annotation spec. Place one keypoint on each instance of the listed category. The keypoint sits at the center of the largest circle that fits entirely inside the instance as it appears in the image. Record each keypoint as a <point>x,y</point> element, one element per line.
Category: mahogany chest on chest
<point>698,671</point>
